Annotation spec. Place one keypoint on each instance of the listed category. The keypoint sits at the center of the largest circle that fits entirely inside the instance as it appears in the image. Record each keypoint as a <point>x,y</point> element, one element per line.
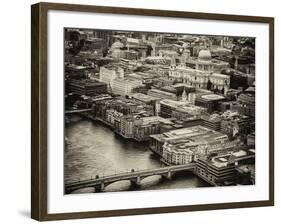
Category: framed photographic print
<point>140,111</point>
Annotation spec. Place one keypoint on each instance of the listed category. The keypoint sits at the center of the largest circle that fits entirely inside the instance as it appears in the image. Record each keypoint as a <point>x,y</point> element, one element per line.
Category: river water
<point>94,149</point>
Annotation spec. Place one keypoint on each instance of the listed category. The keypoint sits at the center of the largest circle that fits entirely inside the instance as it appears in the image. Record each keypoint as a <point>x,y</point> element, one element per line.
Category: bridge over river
<point>78,111</point>
<point>99,183</point>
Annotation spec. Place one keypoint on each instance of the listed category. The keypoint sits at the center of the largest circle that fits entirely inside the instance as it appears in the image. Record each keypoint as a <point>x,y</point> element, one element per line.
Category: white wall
<point>15,111</point>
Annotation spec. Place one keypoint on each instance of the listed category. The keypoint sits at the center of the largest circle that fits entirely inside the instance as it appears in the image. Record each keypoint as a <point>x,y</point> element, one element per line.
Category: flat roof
<point>183,106</point>
<point>220,75</point>
<point>161,92</point>
<point>143,97</point>
<point>212,97</point>
<point>147,120</point>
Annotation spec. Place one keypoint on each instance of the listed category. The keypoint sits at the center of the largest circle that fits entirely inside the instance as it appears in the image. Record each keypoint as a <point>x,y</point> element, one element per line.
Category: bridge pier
<point>168,175</point>
<point>99,188</point>
<point>136,182</point>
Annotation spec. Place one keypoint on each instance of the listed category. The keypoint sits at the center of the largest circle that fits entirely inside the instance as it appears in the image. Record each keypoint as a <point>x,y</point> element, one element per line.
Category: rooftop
<point>191,138</point>
<point>212,97</point>
<point>233,115</point>
<point>182,85</point>
<point>86,82</point>
<point>220,75</point>
<point>76,67</point>
<point>230,158</point>
<point>183,106</point>
<point>154,119</point>
<point>197,134</point>
<point>143,97</point>
<point>212,118</point>
<point>161,92</point>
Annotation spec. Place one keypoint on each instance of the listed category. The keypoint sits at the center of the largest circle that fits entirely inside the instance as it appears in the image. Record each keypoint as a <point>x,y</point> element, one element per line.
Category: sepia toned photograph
<point>157,111</point>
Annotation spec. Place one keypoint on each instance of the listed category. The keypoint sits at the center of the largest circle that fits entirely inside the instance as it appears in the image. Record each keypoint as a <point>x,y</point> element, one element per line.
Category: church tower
<point>173,61</point>
<point>184,95</point>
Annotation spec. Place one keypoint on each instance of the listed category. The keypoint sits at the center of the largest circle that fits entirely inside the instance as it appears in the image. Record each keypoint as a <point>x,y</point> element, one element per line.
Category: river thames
<point>94,149</point>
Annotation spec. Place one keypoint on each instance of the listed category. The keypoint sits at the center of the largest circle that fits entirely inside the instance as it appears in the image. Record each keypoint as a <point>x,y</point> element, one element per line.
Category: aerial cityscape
<point>151,111</point>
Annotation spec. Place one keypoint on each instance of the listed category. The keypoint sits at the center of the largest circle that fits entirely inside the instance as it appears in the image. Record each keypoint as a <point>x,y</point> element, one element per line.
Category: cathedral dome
<point>204,55</point>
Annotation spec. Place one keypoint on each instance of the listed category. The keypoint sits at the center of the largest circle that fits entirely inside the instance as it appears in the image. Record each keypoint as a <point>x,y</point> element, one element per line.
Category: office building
<point>180,109</point>
<point>212,121</point>
<point>146,126</point>
<point>221,170</point>
<point>86,87</point>
<point>125,86</point>
<point>209,101</point>
<point>245,103</point>
<point>233,123</point>
<point>201,139</point>
<point>109,73</point>
<point>161,94</point>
